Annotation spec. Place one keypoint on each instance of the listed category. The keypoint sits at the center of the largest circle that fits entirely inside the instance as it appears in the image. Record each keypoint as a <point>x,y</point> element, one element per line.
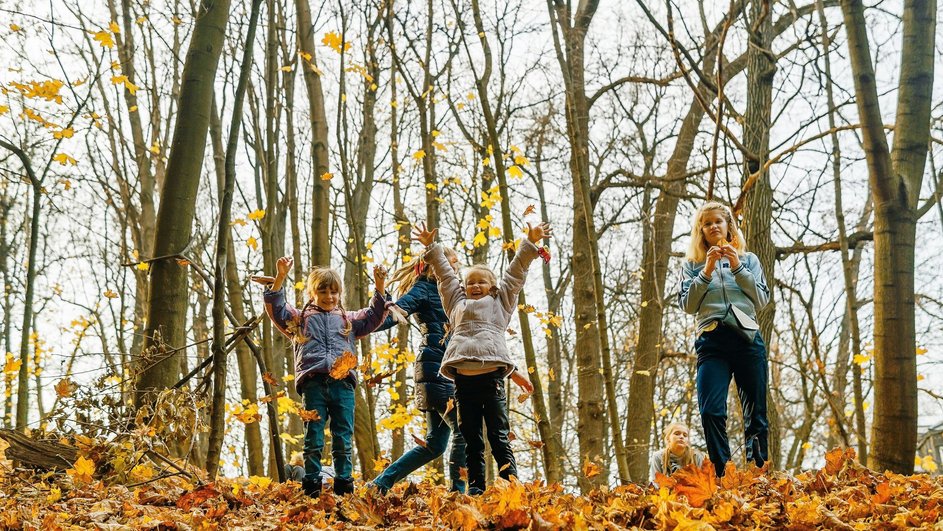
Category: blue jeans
<point>440,426</point>
<point>722,354</point>
<point>332,399</point>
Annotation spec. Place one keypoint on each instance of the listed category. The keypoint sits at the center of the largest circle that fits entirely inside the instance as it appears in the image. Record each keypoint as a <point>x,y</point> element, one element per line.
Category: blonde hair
<point>687,458</point>
<point>697,247</point>
<point>406,276</point>
<point>325,277</point>
<point>487,272</point>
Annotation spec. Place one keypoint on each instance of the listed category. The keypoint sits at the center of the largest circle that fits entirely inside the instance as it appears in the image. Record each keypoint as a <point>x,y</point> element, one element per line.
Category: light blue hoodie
<point>745,286</point>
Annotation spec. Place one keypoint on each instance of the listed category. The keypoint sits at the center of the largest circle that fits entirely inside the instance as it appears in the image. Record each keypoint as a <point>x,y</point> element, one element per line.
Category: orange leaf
<point>270,379</point>
<point>536,444</point>
<point>449,405</point>
<point>309,415</point>
<point>82,470</point>
<point>197,497</point>
<point>529,210</point>
<point>590,469</point>
<point>697,484</point>
<point>343,365</point>
<point>835,459</point>
<point>64,388</point>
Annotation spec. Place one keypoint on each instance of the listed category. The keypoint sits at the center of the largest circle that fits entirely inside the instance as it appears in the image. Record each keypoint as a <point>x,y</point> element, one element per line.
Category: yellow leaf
<point>299,285</point>
<point>256,215</point>
<point>141,20</point>
<point>920,377</point>
<point>327,176</point>
<point>287,68</point>
<point>12,365</point>
<point>64,159</point>
<point>480,239</point>
<point>921,351</point>
<point>55,494</point>
<point>260,481</point>
<point>419,154</point>
<point>110,294</point>
<point>238,221</point>
<point>4,109</point>
<point>305,55</point>
<point>105,39</point>
<point>176,21</point>
<point>515,172</point>
<point>861,359</point>
<point>521,160</point>
<point>143,266</point>
<point>291,439</point>
<point>253,243</point>
<point>113,27</point>
<point>334,41</point>
<point>14,27</point>
<point>155,148</point>
<point>82,470</point>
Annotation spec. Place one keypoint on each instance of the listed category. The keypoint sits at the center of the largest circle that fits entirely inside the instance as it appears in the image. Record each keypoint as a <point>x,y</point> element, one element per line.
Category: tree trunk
<point>223,240</point>
<point>895,179</point>
<point>321,199</point>
<point>165,329</point>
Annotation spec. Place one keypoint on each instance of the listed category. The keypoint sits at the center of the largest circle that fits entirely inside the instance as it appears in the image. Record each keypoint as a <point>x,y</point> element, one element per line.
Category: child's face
<point>714,226</point>
<point>678,440</point>
<point>477,285</point>
<point>326,298</point>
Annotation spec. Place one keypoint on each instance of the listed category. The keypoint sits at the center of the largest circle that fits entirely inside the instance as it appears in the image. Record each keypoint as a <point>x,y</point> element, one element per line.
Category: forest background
<point>152,160</point>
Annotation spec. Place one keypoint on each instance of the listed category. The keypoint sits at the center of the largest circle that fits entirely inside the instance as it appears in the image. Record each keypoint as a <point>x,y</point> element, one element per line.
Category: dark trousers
<point>722,354</point>
<point>482,400</point>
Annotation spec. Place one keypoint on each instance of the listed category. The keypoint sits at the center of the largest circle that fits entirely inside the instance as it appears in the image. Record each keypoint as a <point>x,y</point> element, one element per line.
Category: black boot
<point>343,486</point>
<point>311,487</point>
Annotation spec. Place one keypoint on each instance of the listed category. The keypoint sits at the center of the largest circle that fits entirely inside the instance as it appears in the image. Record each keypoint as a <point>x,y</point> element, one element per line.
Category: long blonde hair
<point>406,276</point>
<point>697,247</point>
<point>326,277</point>
<point>687,458</point>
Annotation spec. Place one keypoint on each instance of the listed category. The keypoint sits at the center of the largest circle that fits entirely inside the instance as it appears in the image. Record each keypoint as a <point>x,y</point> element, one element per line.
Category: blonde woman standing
<point>724,286</point>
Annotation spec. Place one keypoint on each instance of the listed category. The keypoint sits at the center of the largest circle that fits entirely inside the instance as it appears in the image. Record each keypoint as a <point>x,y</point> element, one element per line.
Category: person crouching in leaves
<point>418,292</point>
<point>477,357</point>
<point>724,285</point>
<point>676,454</point>
<point>321,332</point>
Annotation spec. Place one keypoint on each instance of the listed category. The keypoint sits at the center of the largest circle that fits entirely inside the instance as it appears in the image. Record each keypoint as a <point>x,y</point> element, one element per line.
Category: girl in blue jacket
<point>418,294</point>
<point>720,278</point>
<point>321,332</point>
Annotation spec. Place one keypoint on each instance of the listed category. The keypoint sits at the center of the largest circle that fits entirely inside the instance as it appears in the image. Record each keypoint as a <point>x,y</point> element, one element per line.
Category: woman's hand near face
<point>730,253</point>
<point>714,254</point>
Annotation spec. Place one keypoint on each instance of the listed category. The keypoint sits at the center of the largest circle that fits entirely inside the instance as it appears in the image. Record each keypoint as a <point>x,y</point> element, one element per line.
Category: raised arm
<point>409,303</point>
<point>282,314</point>
<point>368,319</point>
<point>450,289</point>
<point>516,274</point>
<point>750,278</point>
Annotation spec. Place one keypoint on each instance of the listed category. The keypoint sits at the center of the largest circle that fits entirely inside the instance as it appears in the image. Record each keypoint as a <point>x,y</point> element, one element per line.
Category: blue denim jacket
<point>422,300</point>
<point>318,336</point>
<point>745,286</point>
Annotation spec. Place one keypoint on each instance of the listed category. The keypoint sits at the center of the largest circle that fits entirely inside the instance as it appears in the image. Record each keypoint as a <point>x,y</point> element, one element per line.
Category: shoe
<point>311,487</point>
<point>474,491</point>
<point>343,486</point>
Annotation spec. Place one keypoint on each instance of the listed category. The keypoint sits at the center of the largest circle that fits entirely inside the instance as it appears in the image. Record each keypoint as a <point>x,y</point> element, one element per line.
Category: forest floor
<point>842,495</point>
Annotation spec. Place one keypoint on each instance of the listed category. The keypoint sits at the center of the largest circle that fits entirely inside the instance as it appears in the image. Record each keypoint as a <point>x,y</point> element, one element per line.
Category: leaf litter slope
<point>842,495</point>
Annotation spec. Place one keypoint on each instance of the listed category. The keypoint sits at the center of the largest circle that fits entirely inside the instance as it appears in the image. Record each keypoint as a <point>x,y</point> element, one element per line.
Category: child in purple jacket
<point>321,332</point>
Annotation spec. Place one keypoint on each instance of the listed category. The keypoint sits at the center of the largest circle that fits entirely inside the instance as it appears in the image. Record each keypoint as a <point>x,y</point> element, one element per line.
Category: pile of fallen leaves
<point>842,495</point>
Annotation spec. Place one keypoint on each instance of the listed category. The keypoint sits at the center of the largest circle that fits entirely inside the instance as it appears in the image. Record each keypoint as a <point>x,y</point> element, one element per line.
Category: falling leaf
<point>343,365</point>
<point>333,40</point>
<point>64,159</point>
<point>110,294</point>
<point>12,365</point>
<point>591,469</point>
<point>309,415</point>
<point>536,444</point>
<point>419,154</point>
<point>327,176</point>
<point>68,132</point>
<point>143,266</point>
<point>521,398</point>
<point>530,210</point>
<point>270,378</point>
<point>64,388</point>
<point>449,406</point>
<point>155,148</point>
<point>515,172</point>
<point>104,38</point>
<point>14,27</point>
<point>253,243</point>
<point>419,440</point>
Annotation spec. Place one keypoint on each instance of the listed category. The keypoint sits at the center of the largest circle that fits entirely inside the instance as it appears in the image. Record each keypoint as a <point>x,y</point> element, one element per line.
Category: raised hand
<point>379,278</point>
<point>424,236</point>
<point>538,232</point>
<point>283,265</point>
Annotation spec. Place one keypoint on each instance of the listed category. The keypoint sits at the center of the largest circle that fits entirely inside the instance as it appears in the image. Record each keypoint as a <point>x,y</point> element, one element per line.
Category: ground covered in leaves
<point>843,495</point>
